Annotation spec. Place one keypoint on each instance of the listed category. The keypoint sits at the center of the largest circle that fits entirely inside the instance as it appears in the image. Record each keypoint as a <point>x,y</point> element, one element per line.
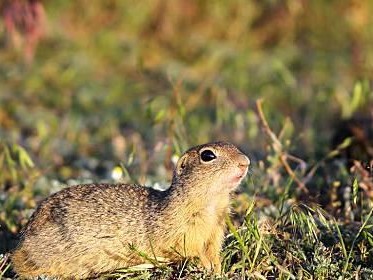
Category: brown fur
<point>86,230</point>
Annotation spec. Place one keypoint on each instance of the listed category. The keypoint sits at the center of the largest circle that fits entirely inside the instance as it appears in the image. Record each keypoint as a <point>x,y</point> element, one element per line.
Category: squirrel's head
<point>218,165</point>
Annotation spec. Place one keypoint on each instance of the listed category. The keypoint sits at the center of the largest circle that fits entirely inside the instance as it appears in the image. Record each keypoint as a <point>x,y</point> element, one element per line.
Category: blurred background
<point>114,90</point>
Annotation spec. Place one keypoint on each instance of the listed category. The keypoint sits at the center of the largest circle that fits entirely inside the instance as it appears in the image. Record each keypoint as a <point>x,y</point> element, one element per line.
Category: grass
<point>126,87</point>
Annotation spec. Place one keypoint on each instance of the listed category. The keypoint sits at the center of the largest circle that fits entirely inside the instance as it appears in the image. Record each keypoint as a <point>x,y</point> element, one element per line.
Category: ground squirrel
<point>85,230</point>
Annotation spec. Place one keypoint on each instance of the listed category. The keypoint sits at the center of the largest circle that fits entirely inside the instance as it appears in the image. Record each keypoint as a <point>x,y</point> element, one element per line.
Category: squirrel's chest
<point>208,218</point>
<point>202,225</point>
<point>193,227</point>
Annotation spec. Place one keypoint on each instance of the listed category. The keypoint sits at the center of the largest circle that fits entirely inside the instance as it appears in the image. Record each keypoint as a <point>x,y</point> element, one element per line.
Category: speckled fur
<point>85,230</point>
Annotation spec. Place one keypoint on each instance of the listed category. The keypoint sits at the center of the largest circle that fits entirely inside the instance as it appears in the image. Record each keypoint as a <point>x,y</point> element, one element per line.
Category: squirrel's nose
<point>244,161</point>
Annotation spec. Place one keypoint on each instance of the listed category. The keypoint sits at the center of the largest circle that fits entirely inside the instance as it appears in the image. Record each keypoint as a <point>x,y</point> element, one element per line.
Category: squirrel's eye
<point>207,155</point>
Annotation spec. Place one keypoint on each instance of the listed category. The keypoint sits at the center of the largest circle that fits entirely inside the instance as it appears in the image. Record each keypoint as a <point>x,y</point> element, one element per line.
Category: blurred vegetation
<point>134,83</point>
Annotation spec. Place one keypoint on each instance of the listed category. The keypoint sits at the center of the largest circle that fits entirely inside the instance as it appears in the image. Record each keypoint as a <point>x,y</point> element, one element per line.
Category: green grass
<point>130,85</point>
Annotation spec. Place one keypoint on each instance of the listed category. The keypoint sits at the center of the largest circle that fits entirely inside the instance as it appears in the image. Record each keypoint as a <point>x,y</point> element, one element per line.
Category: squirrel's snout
<point>243,164</point>
<point>244,161</point>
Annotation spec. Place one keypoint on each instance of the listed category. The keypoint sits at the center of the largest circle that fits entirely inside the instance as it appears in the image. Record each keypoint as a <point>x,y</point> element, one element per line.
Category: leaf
<point>25,160</point>
<point>357,97</point>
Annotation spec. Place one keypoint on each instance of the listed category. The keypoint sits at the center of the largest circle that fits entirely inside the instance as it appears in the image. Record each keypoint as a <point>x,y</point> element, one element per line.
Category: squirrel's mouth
<point>238,175</point>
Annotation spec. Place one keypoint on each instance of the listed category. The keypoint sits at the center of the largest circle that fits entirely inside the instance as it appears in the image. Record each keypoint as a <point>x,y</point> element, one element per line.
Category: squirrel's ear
<point>181,164</point>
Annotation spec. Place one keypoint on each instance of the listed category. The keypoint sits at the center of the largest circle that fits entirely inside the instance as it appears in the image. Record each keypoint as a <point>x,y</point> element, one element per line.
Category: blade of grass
<point>355,239</point>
